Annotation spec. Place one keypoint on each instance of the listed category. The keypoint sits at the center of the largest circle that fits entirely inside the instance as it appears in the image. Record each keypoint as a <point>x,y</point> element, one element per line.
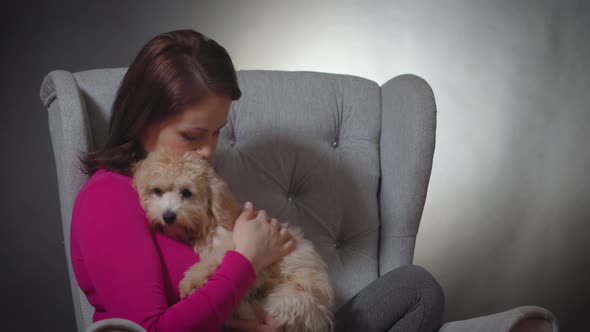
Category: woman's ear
<point>224,205</point>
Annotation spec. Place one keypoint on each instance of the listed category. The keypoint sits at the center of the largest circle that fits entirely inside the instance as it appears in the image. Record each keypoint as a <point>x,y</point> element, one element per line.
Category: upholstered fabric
<point>305,147</point>
<point>70,135</point>
<point>115,325</point>
<point>345,159</point>
<point>406,148</point>
<point>521,319</point>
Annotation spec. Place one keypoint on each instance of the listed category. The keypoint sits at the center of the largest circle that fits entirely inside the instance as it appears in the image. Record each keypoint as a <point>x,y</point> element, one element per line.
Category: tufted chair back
<point>343,158</point>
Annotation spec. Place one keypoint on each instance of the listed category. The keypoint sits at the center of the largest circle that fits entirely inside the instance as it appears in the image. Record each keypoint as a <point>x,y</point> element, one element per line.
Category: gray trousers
<point>405,299</point>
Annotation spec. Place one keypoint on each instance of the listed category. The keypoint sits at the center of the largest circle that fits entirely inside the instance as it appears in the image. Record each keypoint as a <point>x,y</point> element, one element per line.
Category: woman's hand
<point>265,323</point>
<point>260,239</point>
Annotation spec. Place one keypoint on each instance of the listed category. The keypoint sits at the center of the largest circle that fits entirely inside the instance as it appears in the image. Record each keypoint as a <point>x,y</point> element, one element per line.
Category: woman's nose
<point>206,151</point>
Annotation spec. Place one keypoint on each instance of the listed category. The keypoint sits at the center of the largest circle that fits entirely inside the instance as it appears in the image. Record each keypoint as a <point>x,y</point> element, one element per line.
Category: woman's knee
<point>429,291</point>
<point>408,297</point>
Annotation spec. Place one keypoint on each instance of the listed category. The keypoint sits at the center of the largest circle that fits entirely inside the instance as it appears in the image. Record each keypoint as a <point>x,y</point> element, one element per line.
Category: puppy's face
<point>175,192</point>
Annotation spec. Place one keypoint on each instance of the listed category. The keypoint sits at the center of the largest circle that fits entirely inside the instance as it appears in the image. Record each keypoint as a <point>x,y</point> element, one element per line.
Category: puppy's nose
<point>169,217</point>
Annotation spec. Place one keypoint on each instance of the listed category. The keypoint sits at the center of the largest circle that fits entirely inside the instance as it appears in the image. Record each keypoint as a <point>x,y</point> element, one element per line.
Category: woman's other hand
<point>262,240</point>
<point>265,323</point>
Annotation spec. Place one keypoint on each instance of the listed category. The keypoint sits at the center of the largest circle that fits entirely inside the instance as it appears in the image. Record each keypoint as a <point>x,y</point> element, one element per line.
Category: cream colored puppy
<point>184,197</point>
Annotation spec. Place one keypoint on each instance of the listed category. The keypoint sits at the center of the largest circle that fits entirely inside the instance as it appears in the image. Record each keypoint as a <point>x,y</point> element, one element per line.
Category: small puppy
<point>183,197</point>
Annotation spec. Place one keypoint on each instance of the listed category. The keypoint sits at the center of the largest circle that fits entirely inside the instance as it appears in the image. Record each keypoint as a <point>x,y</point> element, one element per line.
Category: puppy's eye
<point>158,192</point>
<point>186,193</point>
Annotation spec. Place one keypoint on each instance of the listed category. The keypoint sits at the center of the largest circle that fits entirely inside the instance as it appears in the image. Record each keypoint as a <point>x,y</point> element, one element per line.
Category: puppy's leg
<point>197,275</point>
<point>244,311</point>
<point>297,310</point>
<point>302,297</point>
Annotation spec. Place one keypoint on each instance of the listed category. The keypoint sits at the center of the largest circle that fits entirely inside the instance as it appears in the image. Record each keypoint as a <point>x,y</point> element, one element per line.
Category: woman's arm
<point>119,267</point>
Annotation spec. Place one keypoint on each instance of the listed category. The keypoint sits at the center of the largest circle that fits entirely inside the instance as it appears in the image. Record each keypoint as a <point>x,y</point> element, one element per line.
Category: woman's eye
<point>158,192</point>
<point>186,193</point>
<point>216,133</point>
<point>189,137</point>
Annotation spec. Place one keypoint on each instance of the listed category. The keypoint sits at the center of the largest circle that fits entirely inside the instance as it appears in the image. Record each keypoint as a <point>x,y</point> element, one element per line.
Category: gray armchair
<point>347,160</point>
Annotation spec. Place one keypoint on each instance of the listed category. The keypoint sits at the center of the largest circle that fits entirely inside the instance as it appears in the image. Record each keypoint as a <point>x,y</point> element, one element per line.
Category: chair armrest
<point>406,149</point>
<point>521,319</point>
<point>115,325</point>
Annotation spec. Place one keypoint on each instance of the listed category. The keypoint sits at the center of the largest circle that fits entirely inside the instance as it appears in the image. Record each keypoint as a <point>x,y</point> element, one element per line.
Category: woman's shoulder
<point>107,209</point>
<point>108,184</point>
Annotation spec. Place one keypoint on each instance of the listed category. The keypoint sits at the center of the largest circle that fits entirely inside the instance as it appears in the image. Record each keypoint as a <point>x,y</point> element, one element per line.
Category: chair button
<point>334,144</point>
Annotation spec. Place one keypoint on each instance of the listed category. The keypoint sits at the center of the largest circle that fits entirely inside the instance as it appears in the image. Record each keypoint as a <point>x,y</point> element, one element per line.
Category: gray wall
<point>508,206</point>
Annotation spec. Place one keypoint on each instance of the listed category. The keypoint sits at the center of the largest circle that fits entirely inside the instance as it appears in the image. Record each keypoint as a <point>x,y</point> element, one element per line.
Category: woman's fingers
<point>289,246</point>
<point>251,326</point>
<point>261,315</point>
<point>248,211</point>
<point>242,325</point>
<point>283,232</point>
<point>262,215</point>
<point>274,224</point>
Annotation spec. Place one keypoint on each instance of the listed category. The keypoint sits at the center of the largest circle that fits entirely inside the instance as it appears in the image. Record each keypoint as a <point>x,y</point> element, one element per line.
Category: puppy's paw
<point>186,287</point>
<point>194,279</point>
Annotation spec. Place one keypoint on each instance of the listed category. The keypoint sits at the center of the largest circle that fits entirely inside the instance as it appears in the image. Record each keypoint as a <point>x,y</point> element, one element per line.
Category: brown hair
<point>173,71</point>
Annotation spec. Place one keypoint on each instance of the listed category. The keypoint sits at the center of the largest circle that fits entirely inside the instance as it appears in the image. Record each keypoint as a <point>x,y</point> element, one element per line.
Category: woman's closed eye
<point>193,138</point>
<point>188,137</point>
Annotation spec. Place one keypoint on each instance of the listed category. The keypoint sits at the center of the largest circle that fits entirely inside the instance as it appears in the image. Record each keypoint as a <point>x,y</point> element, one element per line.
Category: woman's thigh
<point>405,299</point>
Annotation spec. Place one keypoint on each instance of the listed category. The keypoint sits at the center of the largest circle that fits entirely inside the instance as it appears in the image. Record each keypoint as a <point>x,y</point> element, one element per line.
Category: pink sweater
<point>127,271</point>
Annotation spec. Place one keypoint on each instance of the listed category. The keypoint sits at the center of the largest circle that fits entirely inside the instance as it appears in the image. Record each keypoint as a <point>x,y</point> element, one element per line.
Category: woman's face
<point>195,129</point>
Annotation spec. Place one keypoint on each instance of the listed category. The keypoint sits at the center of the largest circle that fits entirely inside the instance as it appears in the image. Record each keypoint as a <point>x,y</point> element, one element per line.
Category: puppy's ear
<point>224,205</point>
<point>138,174</point>
<point>142,169</point>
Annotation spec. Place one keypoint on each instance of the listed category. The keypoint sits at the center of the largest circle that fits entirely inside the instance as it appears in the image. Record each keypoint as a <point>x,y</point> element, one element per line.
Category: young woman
<point>176,95</point>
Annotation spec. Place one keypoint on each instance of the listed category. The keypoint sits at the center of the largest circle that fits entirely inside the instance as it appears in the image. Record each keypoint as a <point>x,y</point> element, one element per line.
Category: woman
<point>177,95</point>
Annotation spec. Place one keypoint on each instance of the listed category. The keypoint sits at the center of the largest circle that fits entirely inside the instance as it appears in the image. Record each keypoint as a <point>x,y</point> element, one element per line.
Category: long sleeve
<point>120,268</point>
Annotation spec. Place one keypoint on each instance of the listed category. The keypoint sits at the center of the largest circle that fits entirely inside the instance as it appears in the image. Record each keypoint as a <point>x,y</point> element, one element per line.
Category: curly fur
<point>295,291</point>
